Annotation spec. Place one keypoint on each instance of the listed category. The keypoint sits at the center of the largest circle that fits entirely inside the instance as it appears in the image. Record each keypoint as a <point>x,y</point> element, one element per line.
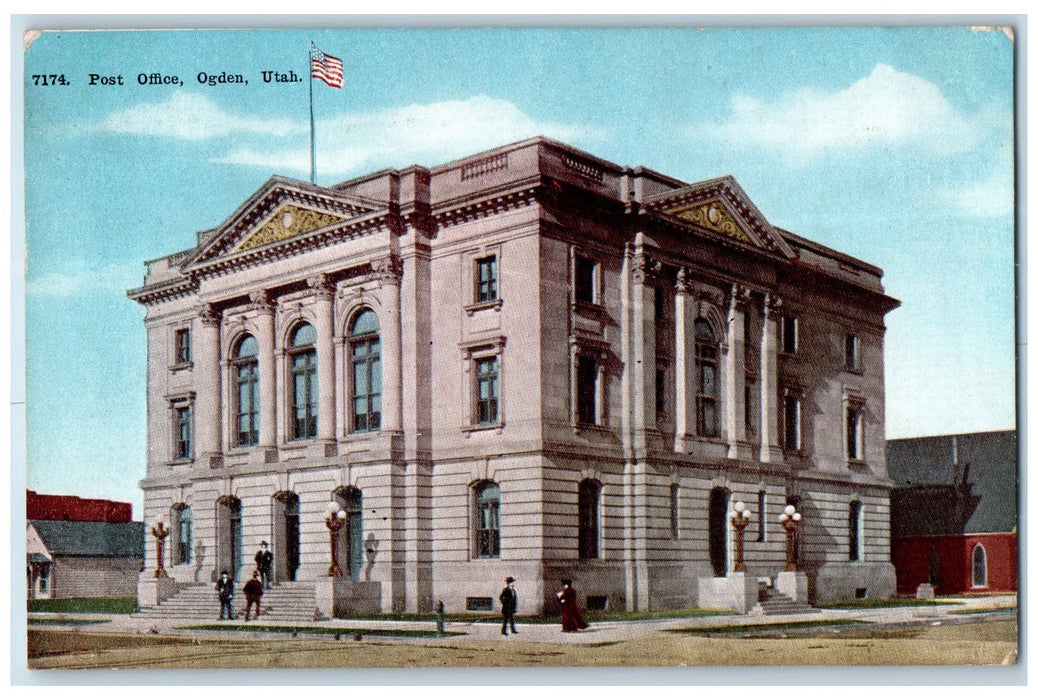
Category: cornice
<point>151,294</point>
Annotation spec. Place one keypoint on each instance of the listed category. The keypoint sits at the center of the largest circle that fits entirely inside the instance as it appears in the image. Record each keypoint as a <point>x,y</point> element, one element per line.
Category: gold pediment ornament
<point>712,215</point>
<point>289,221</point>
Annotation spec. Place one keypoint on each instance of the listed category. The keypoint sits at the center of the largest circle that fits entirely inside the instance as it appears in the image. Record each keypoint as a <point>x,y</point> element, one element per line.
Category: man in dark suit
<point>265,563</point>
<point>225,589</point>
<point>509,605</point>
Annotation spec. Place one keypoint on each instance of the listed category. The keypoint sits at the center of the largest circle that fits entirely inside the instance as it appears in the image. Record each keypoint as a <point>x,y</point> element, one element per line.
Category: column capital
<point>772,305</point>
<point>262,301</point>
<point>322,286</point>
<point>683,282</point>
<point>740,296</point>
<point>210,315</point>
<point>387,269</point>
<point>645,270</point>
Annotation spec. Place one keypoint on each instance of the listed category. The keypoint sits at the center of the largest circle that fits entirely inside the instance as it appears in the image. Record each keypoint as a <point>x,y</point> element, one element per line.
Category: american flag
<point>326,67</point>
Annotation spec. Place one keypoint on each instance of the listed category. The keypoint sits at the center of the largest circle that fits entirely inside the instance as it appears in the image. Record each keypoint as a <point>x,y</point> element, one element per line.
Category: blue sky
<point>893,145</point>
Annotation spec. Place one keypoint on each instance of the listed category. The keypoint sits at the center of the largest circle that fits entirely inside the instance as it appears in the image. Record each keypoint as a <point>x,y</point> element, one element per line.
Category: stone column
<point>684,362</point>
<point>643,347</point>
<point>735,371</point>
<point>264,307</point>
<point>389,272</point>
<point>324,292</point>
<point>208,421</point>
<point>770,449</point>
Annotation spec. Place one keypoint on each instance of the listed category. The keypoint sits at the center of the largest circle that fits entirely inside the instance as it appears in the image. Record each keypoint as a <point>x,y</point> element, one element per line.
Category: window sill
<point>854,370</point>
<point>857,464</point>
<point>579,428</point>
<point>587,308</point>
<point>480,427</point>
<point>181,366</point>
<point>180,461</point>
<point>471,309</point>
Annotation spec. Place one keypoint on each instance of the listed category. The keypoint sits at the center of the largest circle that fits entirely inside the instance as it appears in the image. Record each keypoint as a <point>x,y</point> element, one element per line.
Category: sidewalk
<point>599,632</point>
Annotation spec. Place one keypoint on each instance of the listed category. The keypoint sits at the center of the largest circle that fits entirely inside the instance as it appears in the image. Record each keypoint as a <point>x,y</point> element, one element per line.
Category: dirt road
<point>989,642</point>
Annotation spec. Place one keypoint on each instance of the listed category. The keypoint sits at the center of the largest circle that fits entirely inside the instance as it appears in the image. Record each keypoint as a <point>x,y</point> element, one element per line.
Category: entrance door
<point>351,537</point>
<point>719,530</point>
<point>291,544</point>
<point>230,553</point>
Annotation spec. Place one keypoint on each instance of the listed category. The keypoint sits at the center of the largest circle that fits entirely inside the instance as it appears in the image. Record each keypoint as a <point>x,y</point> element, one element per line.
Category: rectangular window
<point>674,511</point>
<point>479,604</point>
<point>789,334</point>
<point>488,387</point>
<point>183,346</point>
<point>851,352</point>
<point>762,515</point>
<point>488,521</point>
<point>486,279</point>
<point>854,441</point>
<point>182,432</point>
<point>661,392</point>
<point>748,391</point>
<point>791,422</point>
<point>587,390</point>
<point>854,531</point>
<point>584,278</point>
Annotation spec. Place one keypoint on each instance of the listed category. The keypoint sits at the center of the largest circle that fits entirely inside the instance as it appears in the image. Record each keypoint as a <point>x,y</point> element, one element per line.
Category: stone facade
<point>570,357</point>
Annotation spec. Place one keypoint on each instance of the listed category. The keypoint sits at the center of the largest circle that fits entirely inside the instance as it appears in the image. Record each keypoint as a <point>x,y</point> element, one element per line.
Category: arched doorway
<point>229,546</point>
<point>351,537</point>
<point>719,530</point>
<point>286,536</point>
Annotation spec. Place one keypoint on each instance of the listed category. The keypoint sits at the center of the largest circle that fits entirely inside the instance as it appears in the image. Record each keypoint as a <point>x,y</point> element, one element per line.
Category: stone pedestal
<point>924,592</point>
<point>737,591</point>
<point>792,584</point>
<point>152,591</point>
<point>338,597</point>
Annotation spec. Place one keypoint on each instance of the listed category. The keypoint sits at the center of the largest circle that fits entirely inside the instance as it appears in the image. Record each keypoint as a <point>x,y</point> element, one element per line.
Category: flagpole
<point>313,137</point>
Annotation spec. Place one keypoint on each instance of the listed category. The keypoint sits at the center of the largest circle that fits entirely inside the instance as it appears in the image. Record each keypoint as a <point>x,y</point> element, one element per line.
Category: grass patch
<point>66,621</point>
<point>769,627</point>
<point>986,611</point>
<point>604,616</point>
<point>887,603</point>
<point>328,631</point>
<point>110,606</point>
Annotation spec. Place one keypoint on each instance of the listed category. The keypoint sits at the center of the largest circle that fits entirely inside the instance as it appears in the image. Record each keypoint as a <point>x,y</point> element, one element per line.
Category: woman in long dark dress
<point>572,620</point>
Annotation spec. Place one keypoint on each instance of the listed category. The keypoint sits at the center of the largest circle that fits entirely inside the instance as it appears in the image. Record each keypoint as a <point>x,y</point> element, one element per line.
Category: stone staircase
<point>289,601</point>
<point>772,602</point>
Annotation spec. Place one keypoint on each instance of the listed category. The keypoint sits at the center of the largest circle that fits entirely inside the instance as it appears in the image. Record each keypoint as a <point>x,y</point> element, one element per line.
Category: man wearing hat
<point>265,563</point>
<point>225,589</point>
<point>509,604</point>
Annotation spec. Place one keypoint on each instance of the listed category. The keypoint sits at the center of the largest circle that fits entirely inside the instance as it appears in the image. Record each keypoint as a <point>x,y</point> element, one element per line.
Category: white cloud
<point>425,134</point>
<point>65,285</point>
<point>886,108</point>
<point>992,196</point>
<point>192,117</point>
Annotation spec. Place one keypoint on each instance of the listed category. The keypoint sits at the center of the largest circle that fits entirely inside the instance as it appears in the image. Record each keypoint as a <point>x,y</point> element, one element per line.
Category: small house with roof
<point>70,559</point>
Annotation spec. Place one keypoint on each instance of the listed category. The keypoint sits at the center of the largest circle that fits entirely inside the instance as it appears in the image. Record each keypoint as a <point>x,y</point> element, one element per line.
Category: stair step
<point>289,601</point>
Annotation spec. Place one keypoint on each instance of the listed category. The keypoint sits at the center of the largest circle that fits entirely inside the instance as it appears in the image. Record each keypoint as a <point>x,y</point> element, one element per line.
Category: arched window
<point>706,368</point>
<point>365,358</point>
<point>980,566</point>
<point>183,545</point>
<point>854,531</point>
<point>246,379</point>
<point>304,382</point>
<point>587,517</point>
<point>488,520</point>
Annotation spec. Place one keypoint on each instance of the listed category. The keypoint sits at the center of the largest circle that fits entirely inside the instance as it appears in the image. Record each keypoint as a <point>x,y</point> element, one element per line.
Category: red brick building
<point>953,519</point>
<point>40,506</point>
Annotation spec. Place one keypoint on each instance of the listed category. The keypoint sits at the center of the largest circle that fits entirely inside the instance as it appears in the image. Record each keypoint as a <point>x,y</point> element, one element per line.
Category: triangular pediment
<point>279,211</point>
<point>722,207</point>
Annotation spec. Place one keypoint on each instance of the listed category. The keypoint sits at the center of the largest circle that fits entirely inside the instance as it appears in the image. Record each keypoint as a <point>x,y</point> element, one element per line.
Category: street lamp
<point>160,533</point>
<point>790,520</point>
<point>334,518</point>
<point>740,519</point>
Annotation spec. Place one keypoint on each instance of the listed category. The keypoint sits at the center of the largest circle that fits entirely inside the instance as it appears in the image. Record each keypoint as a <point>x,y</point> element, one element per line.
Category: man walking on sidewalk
<point>509,605</point>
